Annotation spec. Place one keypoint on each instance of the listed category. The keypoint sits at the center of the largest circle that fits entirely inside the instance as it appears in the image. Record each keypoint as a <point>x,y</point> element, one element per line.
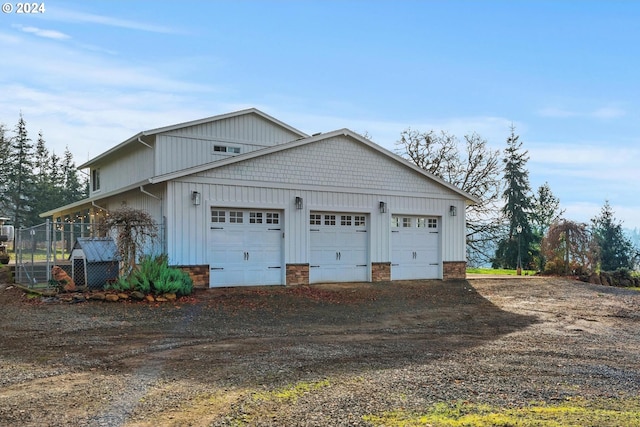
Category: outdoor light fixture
<point>383,207</point>
<point>453,211</point>
<point>195,198</point>
<point>298,202</point>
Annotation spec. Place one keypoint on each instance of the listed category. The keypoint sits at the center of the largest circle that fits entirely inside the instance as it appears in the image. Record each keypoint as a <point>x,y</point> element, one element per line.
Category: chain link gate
<point>40,248</point>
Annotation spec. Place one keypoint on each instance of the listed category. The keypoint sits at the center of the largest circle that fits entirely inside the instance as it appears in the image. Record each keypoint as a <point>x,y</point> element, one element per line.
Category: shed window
<point>95,179</point>
<point>226,149</point>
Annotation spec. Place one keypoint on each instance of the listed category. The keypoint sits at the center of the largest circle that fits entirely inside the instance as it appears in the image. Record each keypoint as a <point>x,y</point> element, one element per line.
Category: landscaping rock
<point>111,297</point>
<point>137,295</point>
<point>150,298</point>
<point>97,296</point>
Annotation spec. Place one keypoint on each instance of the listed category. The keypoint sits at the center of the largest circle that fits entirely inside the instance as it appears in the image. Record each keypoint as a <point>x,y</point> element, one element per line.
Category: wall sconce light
<point>195,198</point>
<point>299,202</point>
<point>383,207</point>
<point>453,211</point>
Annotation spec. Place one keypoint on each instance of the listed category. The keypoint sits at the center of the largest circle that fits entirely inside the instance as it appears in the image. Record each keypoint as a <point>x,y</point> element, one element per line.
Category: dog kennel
<point>95,261</point>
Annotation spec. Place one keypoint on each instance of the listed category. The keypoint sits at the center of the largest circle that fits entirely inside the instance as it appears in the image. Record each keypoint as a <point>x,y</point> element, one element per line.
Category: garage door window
<point>235,217</point>
<point>329,220</point>
<point>315,219</point>
<point>218,216</point>
<point>273,218</point>
<point>359,221</point>
<point>433,223</point>
<point>345,219</point>
<point>255,217</point>
<point>406,222</point>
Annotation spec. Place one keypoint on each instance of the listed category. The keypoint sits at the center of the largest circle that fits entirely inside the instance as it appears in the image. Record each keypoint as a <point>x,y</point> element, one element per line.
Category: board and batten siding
<point>135,165</point>
<point>333,175</point>
<point>188,224</point>
<point>194,145</point>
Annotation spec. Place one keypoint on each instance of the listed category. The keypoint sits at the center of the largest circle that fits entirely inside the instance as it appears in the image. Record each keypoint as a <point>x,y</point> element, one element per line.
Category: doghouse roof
<point>98,249</point>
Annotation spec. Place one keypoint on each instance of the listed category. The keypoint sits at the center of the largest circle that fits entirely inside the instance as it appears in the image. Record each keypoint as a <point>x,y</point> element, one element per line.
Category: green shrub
<point>122,284</point>
<point>153,274</point>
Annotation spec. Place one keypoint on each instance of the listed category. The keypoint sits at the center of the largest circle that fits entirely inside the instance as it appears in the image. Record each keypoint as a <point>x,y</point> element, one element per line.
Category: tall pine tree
<point>615,249</point>
<point>517,208</point>
<point>73,189</point>
<point>20,175</point>
<point>35,180</point>
<point>5,149</point>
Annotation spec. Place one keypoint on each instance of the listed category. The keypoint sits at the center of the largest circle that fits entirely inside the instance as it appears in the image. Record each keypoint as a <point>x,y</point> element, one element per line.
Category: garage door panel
<point>415,243</point>
<point>338,247</point>
<point>245,248</point>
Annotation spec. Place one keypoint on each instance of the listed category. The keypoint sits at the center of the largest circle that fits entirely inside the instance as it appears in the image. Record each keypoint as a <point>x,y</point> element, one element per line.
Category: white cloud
<point>601,113</point>
<point>49,34</point>
<point>90,18</point>
<point>606,113</point>
<point>557,112</point>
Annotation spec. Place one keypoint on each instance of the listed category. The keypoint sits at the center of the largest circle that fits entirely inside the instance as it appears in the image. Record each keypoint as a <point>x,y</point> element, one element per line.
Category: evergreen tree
<point>517,208</point>
<point>73,189</point>
<point>20,175</point>
<point>545,212</point>
<point>44,190</point>
<point>615,249</point>
<point>5,149</point>
<point>35,180</point>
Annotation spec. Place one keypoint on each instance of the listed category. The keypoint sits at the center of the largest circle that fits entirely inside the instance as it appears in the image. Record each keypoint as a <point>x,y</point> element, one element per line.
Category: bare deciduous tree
<point>132,228</point>
<point>476,171</point>
<point>568,248</point>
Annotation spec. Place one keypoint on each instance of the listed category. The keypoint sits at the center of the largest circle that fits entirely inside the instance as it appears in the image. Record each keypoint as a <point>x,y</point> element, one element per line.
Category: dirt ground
<point>319,355</point>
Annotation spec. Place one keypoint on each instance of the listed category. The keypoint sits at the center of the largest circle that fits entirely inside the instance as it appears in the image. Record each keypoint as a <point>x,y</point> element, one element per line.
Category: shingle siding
<point>335,162</point>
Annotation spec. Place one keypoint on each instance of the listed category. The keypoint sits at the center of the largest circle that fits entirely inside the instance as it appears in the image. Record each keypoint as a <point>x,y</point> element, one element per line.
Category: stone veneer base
<point>454,270</point>
<point>297,274</point>
<point>380,272</point>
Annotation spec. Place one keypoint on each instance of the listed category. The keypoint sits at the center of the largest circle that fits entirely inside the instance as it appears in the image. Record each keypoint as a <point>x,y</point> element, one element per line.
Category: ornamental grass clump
<point>153,275</point>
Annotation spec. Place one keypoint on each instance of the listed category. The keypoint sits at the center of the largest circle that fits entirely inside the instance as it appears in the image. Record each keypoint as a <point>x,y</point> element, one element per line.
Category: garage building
<point>248,200</point>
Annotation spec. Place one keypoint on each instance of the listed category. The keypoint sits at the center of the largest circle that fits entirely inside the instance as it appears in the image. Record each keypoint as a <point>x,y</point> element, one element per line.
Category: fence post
<point>47,230</point>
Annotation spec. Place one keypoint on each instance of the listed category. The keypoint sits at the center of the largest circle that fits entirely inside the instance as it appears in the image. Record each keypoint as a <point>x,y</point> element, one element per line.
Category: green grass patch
<point>499,271</point>
<point>576,412</point>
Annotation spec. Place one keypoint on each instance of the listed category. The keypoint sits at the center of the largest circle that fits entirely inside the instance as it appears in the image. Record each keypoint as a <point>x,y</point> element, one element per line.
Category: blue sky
<point>90,74</point>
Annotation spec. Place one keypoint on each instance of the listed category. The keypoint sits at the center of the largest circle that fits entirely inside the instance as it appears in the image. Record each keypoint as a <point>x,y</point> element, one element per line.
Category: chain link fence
<point>57,253</point>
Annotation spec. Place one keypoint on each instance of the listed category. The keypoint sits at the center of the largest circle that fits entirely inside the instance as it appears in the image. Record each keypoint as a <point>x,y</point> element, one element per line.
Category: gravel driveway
<point>314,356</point>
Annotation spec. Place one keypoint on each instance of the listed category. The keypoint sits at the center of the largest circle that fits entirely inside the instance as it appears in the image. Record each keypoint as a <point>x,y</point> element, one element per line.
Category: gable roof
<point>97,249</point>
<point>310,140</point>
<point>136,137</point>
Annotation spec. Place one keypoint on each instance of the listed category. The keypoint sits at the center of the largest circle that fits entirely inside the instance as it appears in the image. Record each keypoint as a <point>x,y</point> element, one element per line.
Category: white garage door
<point>339,243</point>
<point>245,247</point>
<point>415,248</point>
